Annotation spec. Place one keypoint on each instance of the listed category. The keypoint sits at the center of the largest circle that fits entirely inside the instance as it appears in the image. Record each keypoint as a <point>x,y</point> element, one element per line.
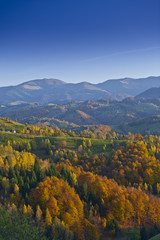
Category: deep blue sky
<point>78,40</point>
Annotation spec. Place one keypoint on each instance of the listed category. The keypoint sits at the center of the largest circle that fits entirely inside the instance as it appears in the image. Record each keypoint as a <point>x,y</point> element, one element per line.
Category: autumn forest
<point>59,184</point>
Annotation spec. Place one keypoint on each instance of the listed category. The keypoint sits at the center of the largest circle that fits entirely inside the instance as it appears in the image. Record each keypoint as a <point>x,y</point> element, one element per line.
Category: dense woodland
<point>96,184</point>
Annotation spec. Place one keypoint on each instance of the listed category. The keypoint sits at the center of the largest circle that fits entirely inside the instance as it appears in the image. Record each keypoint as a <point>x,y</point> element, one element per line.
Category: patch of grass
<point>74,142</point>
<point>5,137</point>
<point>6,124</point>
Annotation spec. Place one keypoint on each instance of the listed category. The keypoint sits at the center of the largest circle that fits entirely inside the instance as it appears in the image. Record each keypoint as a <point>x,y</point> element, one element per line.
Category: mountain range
<point>45,91</point>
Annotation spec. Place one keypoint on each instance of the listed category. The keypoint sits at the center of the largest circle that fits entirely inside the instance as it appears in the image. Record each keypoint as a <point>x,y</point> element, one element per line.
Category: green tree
<point>37,169</point>
<point>143,233</point>
<point>85,192</point>
<point>28,147</point>
<point>16,227</point>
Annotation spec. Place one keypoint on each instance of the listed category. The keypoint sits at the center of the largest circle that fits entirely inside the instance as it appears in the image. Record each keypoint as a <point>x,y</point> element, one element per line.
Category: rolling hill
<point>106,112</point>
<point>149,125</point>
<point>150,93</point>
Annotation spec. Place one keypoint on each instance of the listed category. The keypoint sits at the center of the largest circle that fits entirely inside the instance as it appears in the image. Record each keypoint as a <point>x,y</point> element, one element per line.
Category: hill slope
<point>149,125</point>
<point>105,112</point>
<point>150,93</point>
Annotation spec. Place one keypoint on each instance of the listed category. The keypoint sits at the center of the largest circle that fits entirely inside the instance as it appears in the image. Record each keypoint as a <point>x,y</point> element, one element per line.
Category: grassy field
<point>5,137</point>
<point>7,125</point>
<point>73,143</point>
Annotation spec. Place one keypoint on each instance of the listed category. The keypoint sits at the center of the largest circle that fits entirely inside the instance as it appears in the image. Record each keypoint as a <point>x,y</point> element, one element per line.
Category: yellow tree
<point>48,218</point>
<point>38,214</point>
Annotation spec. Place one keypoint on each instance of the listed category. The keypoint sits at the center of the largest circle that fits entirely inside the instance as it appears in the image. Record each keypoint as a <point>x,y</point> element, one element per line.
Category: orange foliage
<point>126,205</point>
<point>60,199</point>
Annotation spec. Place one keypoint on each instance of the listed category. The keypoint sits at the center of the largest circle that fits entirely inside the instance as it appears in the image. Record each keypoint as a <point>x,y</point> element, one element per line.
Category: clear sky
<point>78,40</point>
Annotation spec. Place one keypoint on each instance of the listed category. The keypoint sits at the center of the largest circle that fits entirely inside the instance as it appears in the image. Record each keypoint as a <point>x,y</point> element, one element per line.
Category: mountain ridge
<point>57,91</point>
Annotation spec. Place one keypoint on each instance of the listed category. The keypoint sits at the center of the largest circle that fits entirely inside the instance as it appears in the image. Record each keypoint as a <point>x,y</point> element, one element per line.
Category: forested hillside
<point>120,114</point>
<point>61,185</point>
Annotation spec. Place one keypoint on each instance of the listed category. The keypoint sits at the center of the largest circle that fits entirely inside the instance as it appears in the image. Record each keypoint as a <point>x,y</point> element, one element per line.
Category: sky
<point>78,40</point>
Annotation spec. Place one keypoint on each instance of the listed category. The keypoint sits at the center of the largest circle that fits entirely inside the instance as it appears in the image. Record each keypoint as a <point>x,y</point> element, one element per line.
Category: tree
<point>143,233</point>
<point>70,207</point>
<point>17,227</point>
<point>63,143</point>
<point>84,143</point>
<point>37,168</point>
<point>90,231</point>
<point>89,143</point>
<point>104,147</point>
<point>112,225</point>
<point>53,208</point>
<point>33,180</point>
<point>38,214</point>
<point>80,148</point>
<point>48,218</point>
<point>85,192</point>
<point>16,189</point>
<point>28,147</point>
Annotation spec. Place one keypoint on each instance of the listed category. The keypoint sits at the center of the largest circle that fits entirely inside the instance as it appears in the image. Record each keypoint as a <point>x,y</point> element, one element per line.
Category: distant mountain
<point>51,90</point>
<point>121,88</point>
<point>150,93</point>
<point>45,91</point>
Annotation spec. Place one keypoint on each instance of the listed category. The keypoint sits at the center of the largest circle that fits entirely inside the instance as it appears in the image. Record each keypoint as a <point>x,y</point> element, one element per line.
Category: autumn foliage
<point>126,205</point>
<point>80,188</point>
<point>61,201</point>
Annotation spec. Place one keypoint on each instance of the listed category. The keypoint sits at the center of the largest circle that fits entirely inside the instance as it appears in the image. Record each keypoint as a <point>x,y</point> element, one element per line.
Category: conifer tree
<point>38,214</point>
<point>48,218</point>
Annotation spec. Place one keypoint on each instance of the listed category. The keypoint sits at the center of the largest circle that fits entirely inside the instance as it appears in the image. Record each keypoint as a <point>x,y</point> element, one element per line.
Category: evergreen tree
<point>33,180</point>
<point>38,214</point>
<point>85,192</point>
<point>48,218</point>
<point>37,169</point>
<point>143,233</point>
